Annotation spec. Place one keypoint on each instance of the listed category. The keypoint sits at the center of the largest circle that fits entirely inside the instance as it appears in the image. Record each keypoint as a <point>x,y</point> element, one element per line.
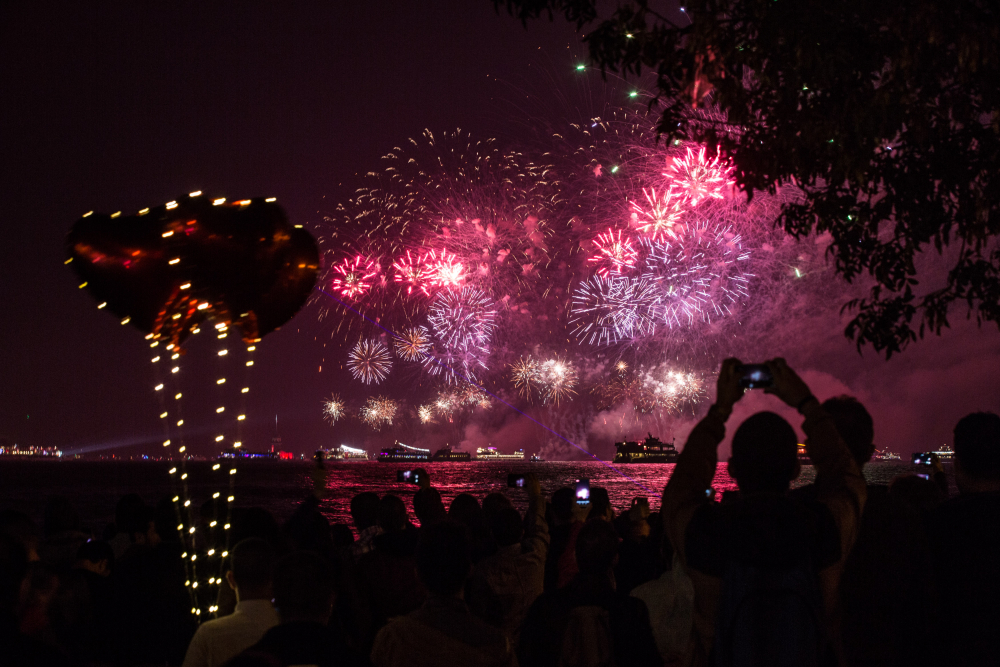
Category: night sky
<point>119,106</point>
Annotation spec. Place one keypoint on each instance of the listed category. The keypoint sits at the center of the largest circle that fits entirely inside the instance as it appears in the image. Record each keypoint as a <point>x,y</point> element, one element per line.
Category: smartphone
<point>922,458</point>
<point>582,488</point>
<point>755,376</point>
<point>318,457</point>
<point>923,475</point>
<point>408,476</point>
<point>515,481</point>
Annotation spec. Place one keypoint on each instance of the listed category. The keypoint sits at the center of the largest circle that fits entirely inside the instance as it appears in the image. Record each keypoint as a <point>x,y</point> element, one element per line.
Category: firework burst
<point>607,310</point>
<point>614,253</point>
<point>411,272</point>
<point>353,277</point>
<point>425,413</point>
<point>463,320</point>
<point>697,178</point>
<point>558,379</point>
<point>413,344</point>
<point>369,361</point>
<point>334,409</point>
<point>661,213</point>
<point>526,376</point>
<point>379,412</point>
<point>697,276</point>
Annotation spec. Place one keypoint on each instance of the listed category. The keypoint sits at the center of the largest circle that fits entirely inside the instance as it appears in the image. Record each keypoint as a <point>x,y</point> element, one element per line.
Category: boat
<point>345,453</point>
<point>650,450</point>
<point>31,452</point>
<point>879,455</point>
<point>400,453</point>
<point>492,454</point>
<point>239,453</point>
<point>535,458</point>
<point>946,453</point>
<point>803,455</point>
<point>445,454</point>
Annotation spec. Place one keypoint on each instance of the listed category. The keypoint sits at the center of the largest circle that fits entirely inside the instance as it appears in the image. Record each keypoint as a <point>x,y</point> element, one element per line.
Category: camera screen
<point>583,491</point>
<point>754,376</point>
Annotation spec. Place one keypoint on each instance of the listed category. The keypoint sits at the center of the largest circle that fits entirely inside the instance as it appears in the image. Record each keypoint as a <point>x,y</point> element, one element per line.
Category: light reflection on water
<point>344,480</point>
<point>279,486</point>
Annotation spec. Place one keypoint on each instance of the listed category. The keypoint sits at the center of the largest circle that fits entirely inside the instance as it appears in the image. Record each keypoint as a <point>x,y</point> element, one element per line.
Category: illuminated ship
<point>345,453</point>
<point>879,455</point>
<point>400,453</point>
<point>535,458</point>
<point>239,453</point>
<point>491,454</point>
<point>445,454</point>
<point>803,456</point>
<point>946,453</point>
<point>649,450</point>
<point>31,452</point>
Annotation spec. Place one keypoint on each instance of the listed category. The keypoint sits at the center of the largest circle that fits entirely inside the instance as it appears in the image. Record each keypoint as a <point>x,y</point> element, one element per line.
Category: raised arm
<point>695,469</point>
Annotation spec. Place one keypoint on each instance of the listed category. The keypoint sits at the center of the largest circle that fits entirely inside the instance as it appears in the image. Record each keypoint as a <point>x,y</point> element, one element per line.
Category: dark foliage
<point>885,113</point>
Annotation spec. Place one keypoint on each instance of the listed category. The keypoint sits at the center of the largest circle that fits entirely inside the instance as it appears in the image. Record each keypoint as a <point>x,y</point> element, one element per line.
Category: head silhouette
<point>443,558</point>
<point>854,425</point>
<point>765,454</point>
<point>977,452</point>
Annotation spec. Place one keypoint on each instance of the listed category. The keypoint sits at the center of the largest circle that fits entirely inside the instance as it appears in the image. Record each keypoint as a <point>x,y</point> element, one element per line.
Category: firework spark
<point>443,270</point>
<point>412,271</point>
<point>379,412</point>
<point>413,344</point>
<point>463,320</point>
<point>607,310</point>
<point>697,178</point>
<point>661,213</point>
<point>333,409</point>
<point>558,379</point>
<point>425,413</point>
<point>614,253</point>
<point>699,275</point>
<point>526,376</point>
<point>369,361</point>
<point>353,277</point>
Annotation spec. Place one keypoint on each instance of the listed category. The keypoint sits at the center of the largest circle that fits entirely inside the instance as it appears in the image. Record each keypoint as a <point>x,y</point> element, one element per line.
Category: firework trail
<point>353,277</point>
<point>334,409</point>
<point>607,310</point>
<point>696,178</point>
<point>379,412</point>
<point>369,361</point>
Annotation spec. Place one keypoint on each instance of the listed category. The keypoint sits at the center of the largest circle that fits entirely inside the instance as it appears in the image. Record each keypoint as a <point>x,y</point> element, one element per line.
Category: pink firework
<point>443,269</point>
<point>614,253</point>
<point>353,277</point>
<point>661,213</point>
<point>697,178</point>
<point>413,272</point>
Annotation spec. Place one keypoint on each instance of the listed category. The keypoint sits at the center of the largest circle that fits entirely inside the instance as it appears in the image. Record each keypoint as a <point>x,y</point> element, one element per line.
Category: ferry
<point>492,454</point>
<point>535,458</point>
<point>879,455</point>
<point>345,453</point>
<point>946,453</point>
<point>32,452</point>
<point>649,450</point>
<point>803,455</point>
<point>445,454</point>
<point>400,453</point>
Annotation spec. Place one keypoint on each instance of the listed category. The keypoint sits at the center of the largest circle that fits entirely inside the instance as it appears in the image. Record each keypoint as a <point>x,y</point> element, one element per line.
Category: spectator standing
<point>442,631</point>
<point>965,547</point>
<point>303,585</point>
<point>364,512</point>
<point>741,555</point>
<point>250,577</point>
<point>588,622</point>
<point>503,586</point>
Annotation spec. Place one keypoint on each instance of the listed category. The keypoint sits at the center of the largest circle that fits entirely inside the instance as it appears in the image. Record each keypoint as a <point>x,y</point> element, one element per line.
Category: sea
<point>94,487</point>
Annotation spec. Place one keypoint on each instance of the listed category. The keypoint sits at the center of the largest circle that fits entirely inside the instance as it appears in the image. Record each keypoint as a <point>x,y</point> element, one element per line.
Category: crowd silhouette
<point>838,572</point>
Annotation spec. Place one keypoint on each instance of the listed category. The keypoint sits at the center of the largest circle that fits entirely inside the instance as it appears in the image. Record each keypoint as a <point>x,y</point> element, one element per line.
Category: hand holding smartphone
<point>582,488</point>
<point>755,376</point>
